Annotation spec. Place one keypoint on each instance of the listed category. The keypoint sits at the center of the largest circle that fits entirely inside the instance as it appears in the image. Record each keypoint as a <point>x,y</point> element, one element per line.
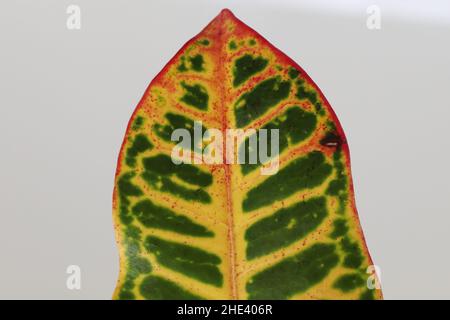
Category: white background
<point>66,97</point>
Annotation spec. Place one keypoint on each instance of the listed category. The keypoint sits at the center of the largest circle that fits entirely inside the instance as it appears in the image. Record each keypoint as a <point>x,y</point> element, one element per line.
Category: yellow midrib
<point>228,172</point>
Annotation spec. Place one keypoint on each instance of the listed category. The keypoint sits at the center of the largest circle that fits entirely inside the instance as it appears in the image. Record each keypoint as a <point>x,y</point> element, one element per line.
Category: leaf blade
<point>223,231</point>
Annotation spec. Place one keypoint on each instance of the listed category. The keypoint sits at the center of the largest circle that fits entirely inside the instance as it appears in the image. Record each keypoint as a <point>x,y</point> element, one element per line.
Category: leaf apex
<point>226,13</point>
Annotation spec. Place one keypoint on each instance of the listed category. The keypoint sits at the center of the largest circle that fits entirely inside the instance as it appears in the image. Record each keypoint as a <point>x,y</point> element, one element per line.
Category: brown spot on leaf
<point>332,140</point>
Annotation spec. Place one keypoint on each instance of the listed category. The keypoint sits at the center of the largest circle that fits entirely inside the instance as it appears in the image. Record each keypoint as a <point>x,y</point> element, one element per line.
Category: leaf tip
<point>226,13</point>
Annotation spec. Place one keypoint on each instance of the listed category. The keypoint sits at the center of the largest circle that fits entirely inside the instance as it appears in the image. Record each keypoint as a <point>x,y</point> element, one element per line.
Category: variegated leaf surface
<point>226,231</point>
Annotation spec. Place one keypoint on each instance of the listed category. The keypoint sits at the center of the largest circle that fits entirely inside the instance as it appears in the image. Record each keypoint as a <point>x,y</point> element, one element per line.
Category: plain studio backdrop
<point>66,97</point>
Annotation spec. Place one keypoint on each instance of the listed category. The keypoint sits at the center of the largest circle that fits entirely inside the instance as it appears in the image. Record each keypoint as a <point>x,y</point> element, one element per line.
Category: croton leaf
<point>224,230</point>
